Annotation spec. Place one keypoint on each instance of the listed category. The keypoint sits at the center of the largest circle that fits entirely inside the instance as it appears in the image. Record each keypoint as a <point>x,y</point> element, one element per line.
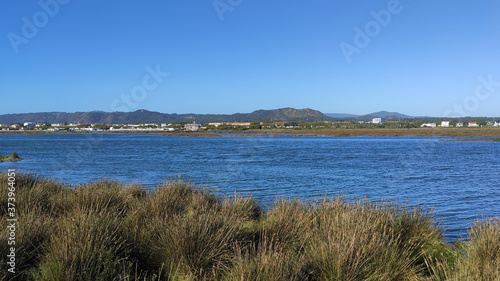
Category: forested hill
<point>145,116</point>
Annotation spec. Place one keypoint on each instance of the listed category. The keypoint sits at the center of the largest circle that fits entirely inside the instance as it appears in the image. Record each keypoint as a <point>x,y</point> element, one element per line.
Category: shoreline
<point>417,132</point>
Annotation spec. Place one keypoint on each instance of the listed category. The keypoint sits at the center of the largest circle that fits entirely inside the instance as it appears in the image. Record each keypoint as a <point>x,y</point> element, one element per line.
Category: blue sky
<point>437,58</point>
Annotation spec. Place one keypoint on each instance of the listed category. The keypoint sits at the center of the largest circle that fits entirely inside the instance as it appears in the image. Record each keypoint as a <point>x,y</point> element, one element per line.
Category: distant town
<point>232,126</point>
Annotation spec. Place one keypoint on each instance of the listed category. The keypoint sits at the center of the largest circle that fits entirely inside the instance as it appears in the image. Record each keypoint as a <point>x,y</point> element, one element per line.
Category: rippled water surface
<point>460,180</point>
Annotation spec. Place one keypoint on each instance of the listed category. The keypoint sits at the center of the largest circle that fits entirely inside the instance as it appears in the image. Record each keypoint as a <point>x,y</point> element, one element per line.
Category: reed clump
<point>107,230</point>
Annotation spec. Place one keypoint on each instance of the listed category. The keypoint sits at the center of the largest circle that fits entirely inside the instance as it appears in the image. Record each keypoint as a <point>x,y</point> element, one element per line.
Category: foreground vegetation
<point>107,230</point>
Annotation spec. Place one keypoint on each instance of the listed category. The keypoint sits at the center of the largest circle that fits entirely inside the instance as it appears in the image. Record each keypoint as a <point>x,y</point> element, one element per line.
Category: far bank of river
<point>418,132</point>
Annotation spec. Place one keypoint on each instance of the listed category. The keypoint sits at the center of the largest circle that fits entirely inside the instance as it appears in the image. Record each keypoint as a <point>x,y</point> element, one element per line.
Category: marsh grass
<point>87,246</point>
<point>358,241</point>
<point>107,230</point>
<point>477,258</point>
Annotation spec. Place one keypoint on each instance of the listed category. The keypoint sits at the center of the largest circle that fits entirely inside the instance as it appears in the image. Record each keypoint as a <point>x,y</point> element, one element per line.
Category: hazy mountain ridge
<point>384,114</point>
<point>370,116</point>
<point>342,115</point>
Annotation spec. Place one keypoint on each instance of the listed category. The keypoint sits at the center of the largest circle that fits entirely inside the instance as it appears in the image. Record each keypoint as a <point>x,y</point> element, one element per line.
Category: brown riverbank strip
<point>457,132</point>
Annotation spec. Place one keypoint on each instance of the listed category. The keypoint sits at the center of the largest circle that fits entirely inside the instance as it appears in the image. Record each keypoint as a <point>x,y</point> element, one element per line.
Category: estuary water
<point>459,180</point>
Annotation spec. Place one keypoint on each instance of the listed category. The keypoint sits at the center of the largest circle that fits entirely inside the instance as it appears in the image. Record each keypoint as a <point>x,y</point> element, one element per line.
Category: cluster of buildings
<point>88,127</point>
<point>194,126</point>
<point>148,127</point>
<point>444,124</point>
<point>141,127</point>
<point>117,127</point>
<point>217,124</point>
<point>145,127</point>
<point>472,124</point>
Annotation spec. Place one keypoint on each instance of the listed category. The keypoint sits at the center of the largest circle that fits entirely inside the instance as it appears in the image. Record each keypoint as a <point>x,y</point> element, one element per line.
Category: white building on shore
<point>29,124</point>
<point>192,126</point>
<point>430,125</point>
<point>445,124</point>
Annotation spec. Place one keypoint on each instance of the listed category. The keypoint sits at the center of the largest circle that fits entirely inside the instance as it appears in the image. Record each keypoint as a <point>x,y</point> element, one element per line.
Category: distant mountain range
<point>145,116</point>
<point>384,114</point>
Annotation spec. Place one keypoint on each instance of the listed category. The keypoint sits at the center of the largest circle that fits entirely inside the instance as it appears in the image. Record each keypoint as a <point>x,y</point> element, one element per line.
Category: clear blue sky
<point>256,54</point>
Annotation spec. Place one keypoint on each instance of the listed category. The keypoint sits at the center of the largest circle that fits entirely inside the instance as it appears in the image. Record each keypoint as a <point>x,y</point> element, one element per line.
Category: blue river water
<point>459,180</point>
